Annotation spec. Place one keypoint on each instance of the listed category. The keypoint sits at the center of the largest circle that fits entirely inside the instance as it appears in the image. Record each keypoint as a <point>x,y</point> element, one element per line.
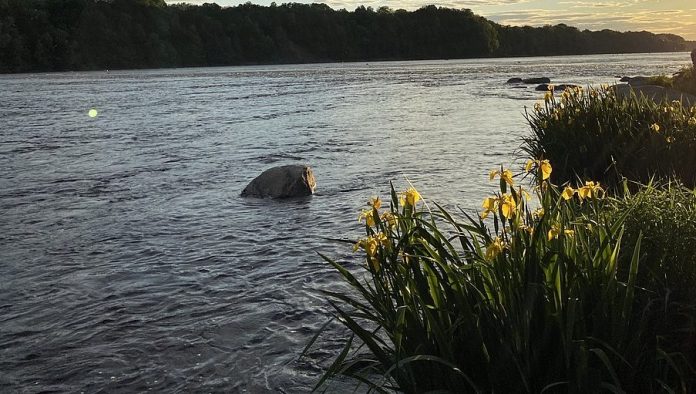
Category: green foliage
<point>51,35</point>
<point>685,80</point>
<point>666,216</point>
<point>520,302</point>
<point>594,134</point>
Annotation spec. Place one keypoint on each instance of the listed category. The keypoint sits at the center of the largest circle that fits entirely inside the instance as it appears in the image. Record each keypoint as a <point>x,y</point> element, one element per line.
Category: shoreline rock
<point>655,93</point>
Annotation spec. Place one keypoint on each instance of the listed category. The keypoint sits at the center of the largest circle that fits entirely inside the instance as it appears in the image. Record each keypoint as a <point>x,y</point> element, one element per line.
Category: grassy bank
<point>562,282</point>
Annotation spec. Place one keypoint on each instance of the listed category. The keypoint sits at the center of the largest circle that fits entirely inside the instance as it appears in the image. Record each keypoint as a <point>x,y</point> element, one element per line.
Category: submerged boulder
<point>293,180</point>
<point>545,87</point>
<point>539,80</point>
<point>514,80</point>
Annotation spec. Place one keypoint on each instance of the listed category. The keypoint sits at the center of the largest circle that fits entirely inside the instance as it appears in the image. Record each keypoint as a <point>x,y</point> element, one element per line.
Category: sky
<point>657,16</point>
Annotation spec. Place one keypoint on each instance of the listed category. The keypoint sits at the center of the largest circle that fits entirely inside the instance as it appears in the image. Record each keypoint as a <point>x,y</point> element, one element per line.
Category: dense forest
<point>52,35</point>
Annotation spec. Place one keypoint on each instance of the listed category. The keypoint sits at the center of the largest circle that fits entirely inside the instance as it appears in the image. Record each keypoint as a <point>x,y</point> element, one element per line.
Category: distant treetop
<point>55,35</point>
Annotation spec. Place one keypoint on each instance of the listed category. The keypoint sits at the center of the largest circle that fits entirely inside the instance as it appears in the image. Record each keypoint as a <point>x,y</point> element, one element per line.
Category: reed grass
<point>593,134</point>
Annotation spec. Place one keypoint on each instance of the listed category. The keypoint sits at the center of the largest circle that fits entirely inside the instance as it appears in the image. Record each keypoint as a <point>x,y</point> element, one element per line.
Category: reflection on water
<point>128,260</point>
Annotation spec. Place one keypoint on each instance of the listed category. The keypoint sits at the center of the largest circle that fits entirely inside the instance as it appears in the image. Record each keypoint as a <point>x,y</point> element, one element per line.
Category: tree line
<point>56,35</point>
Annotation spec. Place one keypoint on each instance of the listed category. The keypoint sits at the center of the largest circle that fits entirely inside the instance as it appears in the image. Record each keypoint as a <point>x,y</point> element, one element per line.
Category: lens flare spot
<point>92,113</point>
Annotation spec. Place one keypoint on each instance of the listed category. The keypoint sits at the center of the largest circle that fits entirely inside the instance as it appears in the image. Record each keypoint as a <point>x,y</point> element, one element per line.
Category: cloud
<point>681,22</point>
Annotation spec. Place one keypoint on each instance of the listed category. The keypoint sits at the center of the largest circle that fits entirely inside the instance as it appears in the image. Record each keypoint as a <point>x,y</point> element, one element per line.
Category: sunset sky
<point>657,16</point>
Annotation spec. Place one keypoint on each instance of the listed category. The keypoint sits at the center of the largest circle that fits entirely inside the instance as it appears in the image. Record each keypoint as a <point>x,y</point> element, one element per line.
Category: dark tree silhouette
<point>53,35</point>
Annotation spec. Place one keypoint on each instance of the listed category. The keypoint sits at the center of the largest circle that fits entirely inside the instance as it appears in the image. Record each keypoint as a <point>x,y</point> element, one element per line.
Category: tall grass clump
<point>664,215</point>
<point>685,80</point>
<point>593,134</point>
<point>527,296</point>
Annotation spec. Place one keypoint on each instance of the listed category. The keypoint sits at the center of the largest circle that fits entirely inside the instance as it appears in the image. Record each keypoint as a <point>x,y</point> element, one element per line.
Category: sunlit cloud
<point>681,22</point>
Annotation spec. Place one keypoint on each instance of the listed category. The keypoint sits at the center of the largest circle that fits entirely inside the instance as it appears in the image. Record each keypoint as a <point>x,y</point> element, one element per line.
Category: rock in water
<point>514,80</point>
<point>282,182</point>
<point>537,80</point>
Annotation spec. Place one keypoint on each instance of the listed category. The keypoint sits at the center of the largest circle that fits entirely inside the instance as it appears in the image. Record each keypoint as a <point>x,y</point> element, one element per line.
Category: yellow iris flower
<point>388,218</point>
<point>375,202</point>
<point>554,232</point>
<point>544,166</point>
<point>505,175</point>
<point>410,197</point>
<point>369,217</point>
<point>370,245</point>
<point>538,213</point>
<point>655,127</point>
<point>489,205</point>
<point>506,202</point>
<point>568,193</point>
<point>494,249</point>
<point>528,167</point>
<point>546,169</point>
<point>508,206</point>
<point>590,190</point>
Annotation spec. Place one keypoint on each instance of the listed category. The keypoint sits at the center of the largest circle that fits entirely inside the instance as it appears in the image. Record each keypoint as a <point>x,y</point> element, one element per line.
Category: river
<point>128,261</point>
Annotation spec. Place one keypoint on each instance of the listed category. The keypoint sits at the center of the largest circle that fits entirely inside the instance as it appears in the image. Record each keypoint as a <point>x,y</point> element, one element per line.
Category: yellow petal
<point>584,192</point>
<point>492,174</point>
<point>508,207</point>
<point>507,177</point>
<point>489,203</point>
<point>494,249</point>
<point>411,196</point>
<point>568,193</point>
<point>375,202</point>
<point>546,169</point>
<point>539,212</point>
<point>528,167</point>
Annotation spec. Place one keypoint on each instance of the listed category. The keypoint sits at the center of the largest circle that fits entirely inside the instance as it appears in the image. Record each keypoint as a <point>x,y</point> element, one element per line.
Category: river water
<point>128,261</point>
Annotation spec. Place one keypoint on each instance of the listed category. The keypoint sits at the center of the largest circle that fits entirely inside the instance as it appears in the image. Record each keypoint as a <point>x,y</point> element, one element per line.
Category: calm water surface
<point>130,263</point>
